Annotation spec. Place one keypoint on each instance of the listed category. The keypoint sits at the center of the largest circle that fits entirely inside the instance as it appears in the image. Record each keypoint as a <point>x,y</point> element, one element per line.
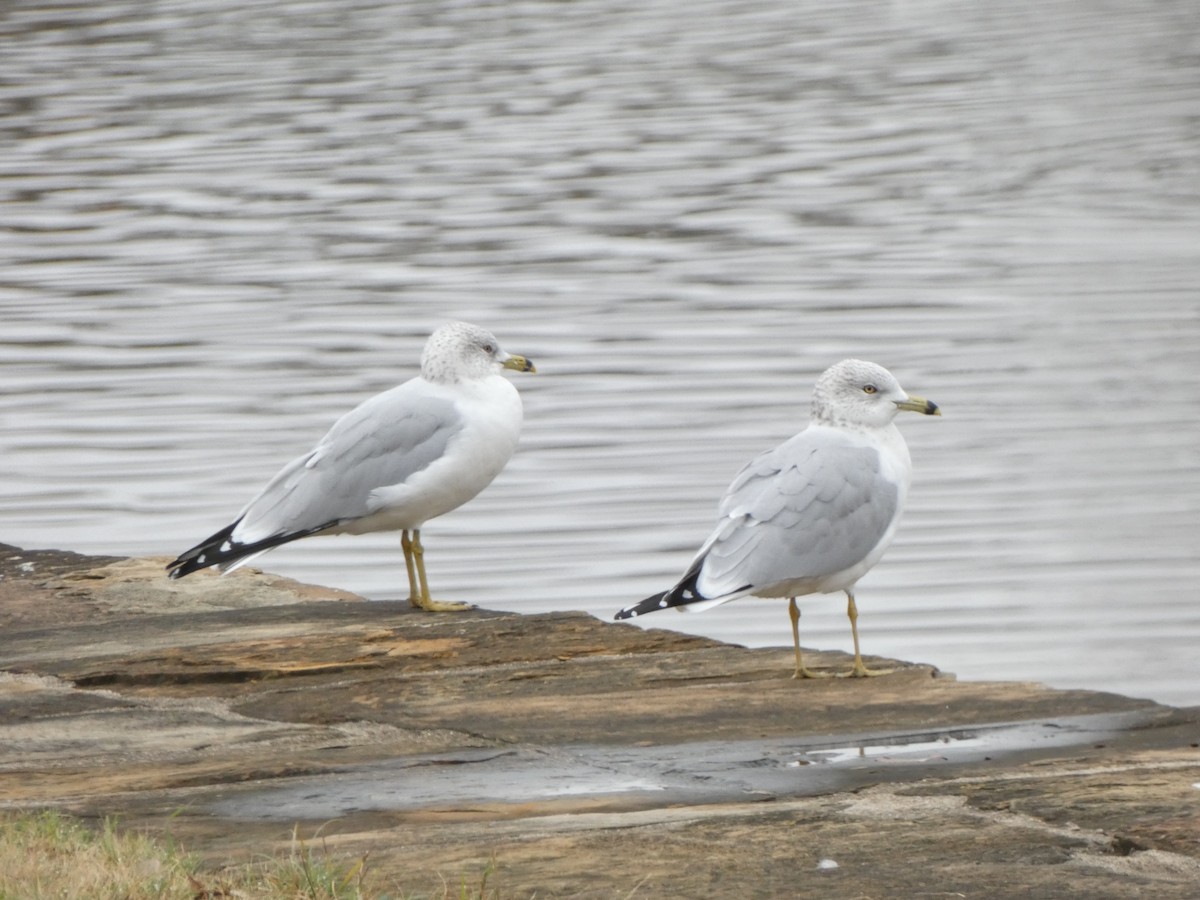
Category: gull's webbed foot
<point>430,605</point>
<point>861,671</point>
<point>805,672</point>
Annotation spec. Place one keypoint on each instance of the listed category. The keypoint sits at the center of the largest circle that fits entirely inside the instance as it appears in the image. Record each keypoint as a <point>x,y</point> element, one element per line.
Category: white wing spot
<point>226,547</point>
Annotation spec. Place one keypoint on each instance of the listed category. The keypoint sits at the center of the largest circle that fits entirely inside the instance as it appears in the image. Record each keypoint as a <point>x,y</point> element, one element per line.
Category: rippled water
<point>224,224</point>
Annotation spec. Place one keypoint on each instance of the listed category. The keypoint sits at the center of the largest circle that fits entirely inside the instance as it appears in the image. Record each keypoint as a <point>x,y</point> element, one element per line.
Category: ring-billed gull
<point>814,514</point>
<point>392,463</point>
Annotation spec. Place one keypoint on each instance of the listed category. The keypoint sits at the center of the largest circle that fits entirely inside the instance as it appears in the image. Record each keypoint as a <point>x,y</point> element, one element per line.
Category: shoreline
<point>588,758</point>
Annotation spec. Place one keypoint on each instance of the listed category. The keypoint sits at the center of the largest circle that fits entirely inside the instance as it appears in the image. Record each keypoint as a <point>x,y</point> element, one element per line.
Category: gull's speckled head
<point>855,392</point>
<point>460,351</point>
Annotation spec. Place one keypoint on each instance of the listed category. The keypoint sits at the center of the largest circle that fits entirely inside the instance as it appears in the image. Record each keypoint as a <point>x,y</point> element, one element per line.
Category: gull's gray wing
<point>379,443</point>
<point>814,506</point>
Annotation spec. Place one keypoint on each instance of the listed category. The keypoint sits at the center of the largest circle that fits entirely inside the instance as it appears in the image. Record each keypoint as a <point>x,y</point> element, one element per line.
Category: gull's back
<point>798,516</point>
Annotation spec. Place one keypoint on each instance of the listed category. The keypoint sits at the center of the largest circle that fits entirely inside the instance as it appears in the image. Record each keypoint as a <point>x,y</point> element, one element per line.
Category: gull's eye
<point>870,389</point>
<point>489,349</point>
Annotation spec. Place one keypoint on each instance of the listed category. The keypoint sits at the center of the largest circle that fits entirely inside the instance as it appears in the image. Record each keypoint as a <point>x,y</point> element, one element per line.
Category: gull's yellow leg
<point>424,601</point>
<point>414,592</point>
<point>794,615</point>
<point>859,670</point>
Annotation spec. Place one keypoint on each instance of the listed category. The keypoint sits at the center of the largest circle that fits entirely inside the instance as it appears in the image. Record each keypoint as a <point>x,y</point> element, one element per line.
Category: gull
<point>392,463</point>
<point>816,513</point>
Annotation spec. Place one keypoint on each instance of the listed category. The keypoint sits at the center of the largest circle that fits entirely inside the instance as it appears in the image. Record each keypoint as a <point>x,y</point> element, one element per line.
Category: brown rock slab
<point>591,759</point>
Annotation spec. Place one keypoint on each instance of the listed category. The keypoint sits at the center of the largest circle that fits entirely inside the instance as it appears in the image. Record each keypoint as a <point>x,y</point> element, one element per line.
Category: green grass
<point>49,856</point>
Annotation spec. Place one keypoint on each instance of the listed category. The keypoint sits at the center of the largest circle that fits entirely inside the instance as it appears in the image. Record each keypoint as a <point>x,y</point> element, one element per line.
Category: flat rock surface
<point>585,758</point>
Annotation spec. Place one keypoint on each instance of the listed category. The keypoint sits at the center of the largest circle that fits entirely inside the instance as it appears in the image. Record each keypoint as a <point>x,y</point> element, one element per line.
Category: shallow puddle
<point>708,772</point>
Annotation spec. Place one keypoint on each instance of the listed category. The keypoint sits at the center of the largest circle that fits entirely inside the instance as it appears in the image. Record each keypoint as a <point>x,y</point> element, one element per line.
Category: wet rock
<point>591,758</point>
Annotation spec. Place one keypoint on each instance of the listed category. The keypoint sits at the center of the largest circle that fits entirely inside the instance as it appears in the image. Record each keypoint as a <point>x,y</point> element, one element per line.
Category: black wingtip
<point>650,604</point>
<point>682,594</point>
<point>212,551</point>
<point>221,549</point>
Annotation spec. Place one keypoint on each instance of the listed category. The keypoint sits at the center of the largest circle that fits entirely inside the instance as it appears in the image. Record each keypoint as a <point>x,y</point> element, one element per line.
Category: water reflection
<point>224,224</point>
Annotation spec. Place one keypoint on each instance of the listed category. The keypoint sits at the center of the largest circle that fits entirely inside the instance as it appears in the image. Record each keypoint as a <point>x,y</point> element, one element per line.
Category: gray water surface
<point>223,224</point>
